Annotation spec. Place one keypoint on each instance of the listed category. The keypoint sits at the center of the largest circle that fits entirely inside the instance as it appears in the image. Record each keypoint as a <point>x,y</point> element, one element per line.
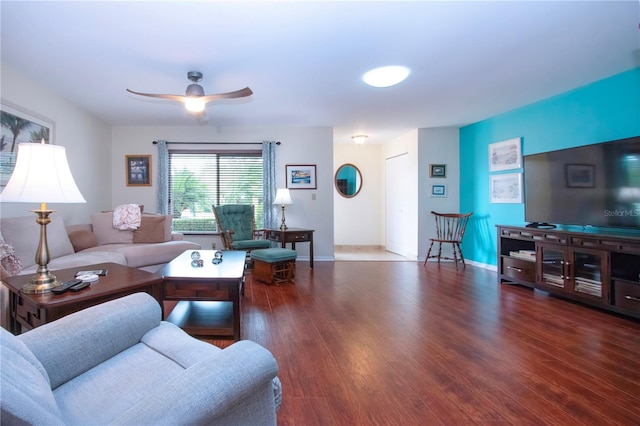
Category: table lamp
<point>41,175</point>
<point>283,198</point>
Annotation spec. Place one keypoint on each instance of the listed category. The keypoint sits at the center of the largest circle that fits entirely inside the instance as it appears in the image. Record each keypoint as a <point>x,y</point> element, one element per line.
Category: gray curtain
<point>270,216</point>
<point>163,178</point>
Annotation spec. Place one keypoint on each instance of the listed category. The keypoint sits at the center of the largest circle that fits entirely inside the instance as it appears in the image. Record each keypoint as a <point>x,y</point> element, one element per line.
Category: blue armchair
<point>118,363</point>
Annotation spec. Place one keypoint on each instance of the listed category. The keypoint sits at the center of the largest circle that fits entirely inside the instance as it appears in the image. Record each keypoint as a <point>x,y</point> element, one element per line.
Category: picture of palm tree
<point>15,130</point>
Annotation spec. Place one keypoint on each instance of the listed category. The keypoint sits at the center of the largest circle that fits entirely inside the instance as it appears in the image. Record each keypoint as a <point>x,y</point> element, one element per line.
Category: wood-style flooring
<point>399,343</point>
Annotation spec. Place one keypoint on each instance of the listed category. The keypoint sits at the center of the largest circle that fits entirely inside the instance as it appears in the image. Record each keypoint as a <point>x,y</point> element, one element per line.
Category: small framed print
<point>580,175</point>
<point>506,188</point>
<point>138,169</point>
<point>505,155</point>
<point>301,176</point>
<point>439,190</point>
<point>438,170</point>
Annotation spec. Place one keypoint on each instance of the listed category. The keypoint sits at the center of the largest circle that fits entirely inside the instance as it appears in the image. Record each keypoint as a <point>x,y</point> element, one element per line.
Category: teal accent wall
<point>606,110</point>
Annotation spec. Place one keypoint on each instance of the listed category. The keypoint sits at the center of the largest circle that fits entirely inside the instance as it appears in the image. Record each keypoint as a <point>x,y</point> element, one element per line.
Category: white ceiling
<point>304,60</point>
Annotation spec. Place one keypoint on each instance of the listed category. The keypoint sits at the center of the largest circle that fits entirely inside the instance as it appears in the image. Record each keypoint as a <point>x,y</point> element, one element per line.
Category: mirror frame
<point>335,180</point>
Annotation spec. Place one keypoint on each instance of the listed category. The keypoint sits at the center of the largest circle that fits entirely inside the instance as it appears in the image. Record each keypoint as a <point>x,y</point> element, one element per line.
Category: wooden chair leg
<point>439,251</point>
<point>464,265</point>
<point>428,253</point>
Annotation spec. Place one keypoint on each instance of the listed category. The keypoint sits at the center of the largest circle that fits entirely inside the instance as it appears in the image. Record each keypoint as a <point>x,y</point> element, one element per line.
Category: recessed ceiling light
<point>386,76</point>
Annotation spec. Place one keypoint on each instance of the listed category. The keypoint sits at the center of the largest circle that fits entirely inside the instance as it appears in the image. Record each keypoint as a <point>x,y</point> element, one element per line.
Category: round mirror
<point>348,180</point>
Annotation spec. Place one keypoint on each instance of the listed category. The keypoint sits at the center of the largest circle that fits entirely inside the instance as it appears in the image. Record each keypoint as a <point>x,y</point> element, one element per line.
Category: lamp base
<point>41,284</point>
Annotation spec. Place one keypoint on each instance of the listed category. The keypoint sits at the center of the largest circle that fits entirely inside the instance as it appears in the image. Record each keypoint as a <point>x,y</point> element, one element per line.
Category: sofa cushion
<point>23,233</point>
<point>81,240</point>
<point>152,229</point>
<point>106,233</point>
<point>139,255</point>
<point>81,259</point>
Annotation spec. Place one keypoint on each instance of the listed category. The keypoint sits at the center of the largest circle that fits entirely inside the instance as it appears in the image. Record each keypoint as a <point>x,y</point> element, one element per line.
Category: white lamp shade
<point>41,175</point>
<point>283,197</point>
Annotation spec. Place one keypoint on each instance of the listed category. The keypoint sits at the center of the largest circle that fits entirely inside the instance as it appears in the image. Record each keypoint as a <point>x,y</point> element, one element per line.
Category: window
<point>198,180</point>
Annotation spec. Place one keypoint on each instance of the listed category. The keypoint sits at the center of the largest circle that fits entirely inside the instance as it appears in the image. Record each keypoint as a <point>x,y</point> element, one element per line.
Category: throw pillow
<point>151,230</point>
<point>106,233</point>
<point>81,240</point>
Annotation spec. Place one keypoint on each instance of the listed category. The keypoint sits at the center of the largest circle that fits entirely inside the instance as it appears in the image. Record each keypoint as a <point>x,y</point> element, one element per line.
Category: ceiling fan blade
<point>242,93</point>
<point>179,98</point>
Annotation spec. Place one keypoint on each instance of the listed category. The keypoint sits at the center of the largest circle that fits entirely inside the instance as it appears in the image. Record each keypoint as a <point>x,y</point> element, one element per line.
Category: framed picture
<point>580,175</point>
<point>505,155</point>
<point>138,169</point>
<point>20,126</point>
<point>301,176</point>
<point>506,188</point>
<point>437,170</point>
<point>439,190</point>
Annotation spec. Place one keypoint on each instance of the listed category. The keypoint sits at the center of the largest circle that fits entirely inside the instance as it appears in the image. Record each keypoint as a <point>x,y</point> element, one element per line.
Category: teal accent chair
<point>236,224</point>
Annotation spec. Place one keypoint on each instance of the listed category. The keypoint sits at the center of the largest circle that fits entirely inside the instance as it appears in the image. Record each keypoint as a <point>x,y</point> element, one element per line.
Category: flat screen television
<point>593,185</point>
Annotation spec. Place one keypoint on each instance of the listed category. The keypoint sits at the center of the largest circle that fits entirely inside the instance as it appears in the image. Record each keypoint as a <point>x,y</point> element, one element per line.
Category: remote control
<point>80,286</point>
<point>65,286</point>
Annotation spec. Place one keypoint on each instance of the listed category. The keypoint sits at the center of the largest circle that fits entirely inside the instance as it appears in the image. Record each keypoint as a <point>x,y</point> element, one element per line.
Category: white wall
<point>358,219</point>
<point>437,146</point>
<point>86,139</point>
<point>311,145</point>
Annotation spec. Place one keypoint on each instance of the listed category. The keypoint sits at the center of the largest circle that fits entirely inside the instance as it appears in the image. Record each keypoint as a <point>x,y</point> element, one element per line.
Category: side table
<point>28,311</point>
<point>293,236</point>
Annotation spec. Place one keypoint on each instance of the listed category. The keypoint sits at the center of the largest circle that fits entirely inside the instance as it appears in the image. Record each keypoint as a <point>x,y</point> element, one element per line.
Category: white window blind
<point>198,180</point>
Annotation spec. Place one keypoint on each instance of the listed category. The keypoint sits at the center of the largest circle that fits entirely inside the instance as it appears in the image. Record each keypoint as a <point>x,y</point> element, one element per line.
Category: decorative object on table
<point>438,170</point>
<point>217,258</point>
<point>348,180</point>
<point>301,176</point>
<point>505,155</point>
<point>30,127</point>
<point>42,175</point>
<point>283,198</point>
<point>506,188</point>
<point>138,169</point>
<point>439,190</point>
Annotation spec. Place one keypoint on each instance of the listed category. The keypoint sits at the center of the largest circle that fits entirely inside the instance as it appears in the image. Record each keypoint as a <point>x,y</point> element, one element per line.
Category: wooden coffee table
<point>209,296</point>
<point>28,311</point>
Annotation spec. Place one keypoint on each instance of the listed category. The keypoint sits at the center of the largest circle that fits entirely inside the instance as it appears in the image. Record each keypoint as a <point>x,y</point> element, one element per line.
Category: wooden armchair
<point>236,224</point>
<point>450,228</point>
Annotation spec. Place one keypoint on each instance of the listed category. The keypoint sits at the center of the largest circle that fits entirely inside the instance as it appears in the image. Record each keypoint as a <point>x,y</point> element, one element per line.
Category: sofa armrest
<point>177,236</point>
<point>91,336</point>
<point>237,381</point>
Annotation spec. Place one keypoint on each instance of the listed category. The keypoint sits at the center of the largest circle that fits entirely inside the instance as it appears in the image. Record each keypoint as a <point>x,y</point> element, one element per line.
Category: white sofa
<point>149,248</point>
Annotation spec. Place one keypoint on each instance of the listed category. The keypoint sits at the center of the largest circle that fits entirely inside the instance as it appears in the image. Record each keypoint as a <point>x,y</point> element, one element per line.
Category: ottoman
<point>274,264</point>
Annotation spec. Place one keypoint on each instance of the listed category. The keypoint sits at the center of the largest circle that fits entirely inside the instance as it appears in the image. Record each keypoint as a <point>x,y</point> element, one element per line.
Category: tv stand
<point>543,225</point>
<point>595,268</point>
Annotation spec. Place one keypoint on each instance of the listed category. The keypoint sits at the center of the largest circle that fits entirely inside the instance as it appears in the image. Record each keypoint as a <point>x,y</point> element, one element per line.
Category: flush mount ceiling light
<point>359,139</point>
<point>386,76</point>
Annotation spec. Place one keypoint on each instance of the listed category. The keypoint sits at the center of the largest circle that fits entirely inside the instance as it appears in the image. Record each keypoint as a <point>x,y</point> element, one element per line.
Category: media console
<point>598,269</point>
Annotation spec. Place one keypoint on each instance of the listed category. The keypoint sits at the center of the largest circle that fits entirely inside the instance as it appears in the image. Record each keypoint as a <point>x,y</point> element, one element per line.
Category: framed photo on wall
<point>138,170</point>
<point>439,190</point>
<point>20,126</point>
<point>505,155</point>
<point>438,170</point>
<point>301,176</point>
<point>506,188</point>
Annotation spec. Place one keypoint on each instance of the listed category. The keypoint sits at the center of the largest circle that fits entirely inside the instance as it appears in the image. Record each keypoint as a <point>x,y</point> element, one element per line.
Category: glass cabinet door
<point>553,265</point>
<point>587,271</point>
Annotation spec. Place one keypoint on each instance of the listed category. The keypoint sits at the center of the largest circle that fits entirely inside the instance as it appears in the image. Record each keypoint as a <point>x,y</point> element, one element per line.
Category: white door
<point>397,175</point>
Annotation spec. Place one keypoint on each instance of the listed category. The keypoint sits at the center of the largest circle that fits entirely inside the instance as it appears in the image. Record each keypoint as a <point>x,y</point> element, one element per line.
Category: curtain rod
<point>215,143</point>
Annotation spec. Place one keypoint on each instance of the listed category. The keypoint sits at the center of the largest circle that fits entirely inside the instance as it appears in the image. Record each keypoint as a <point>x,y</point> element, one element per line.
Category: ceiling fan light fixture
<point>195,104</point>
<point>359,139</point>
<point>386,76</point>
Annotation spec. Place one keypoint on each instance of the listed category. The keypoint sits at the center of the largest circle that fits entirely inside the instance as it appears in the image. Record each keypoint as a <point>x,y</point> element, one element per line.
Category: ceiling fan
<point>194,99</point>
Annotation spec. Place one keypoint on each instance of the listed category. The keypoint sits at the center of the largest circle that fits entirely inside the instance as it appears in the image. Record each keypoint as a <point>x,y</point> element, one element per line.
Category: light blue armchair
<point>118,363</point>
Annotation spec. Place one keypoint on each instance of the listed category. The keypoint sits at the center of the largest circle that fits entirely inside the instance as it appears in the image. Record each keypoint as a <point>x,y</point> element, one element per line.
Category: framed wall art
<point>438,170</point>
<point>506,188</point>
<point>301,176</point>
<point>580,175</point>
<point>138,169</point>
<point>439,190</point>
<point>505,155</point>
<point>20,126</point>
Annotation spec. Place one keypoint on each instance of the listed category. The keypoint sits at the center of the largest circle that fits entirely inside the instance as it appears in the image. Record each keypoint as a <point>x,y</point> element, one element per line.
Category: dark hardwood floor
<point>391,343</point>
